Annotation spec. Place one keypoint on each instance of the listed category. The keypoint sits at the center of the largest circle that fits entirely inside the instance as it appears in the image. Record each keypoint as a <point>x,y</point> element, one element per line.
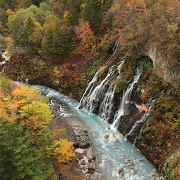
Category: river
<point>117,158</point>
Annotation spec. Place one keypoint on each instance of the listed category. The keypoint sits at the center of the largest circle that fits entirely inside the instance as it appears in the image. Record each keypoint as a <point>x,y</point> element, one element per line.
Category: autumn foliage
<point>63,150</point>
<point>87,39</point>
<point>27,109</point>
<point>55,58</point>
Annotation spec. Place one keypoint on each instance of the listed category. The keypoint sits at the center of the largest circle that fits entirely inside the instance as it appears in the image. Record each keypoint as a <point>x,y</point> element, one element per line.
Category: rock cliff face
<point>168,70</point>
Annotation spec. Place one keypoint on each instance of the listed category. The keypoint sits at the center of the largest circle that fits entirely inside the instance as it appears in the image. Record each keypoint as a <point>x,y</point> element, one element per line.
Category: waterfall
<point>91,101</point>
<point>92,96</point>
<point>3,69</point>
<point>115,47</point>
<point>142,120</point>
<point>126,96</point>
<point>89,88</point>
<point>106,107</point>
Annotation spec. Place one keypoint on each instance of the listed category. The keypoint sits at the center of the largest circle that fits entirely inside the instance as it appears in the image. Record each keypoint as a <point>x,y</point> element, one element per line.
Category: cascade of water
<point>126,96</point>
<point>139,135</point>
<point>114,50</point>
<point>106,106</point>
<point>105,109</point>
<point>94,94</point>
<point>3,69</point>
<point>89,88</point>
<point>91,102</point>
<point>142,120</point>
<point>115,47</point>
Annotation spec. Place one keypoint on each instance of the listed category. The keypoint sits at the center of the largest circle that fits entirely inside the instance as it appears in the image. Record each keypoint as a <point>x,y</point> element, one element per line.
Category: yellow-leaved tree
<point>62,150</point>
<point>24,118</point>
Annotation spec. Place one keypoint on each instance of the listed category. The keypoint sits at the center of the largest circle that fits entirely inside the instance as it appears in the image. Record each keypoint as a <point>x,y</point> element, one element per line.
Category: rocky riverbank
<point>82,166</point>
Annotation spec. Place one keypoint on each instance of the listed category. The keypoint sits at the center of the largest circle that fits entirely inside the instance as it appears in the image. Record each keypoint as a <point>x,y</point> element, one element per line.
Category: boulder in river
<point>120,170</point>
<point>105,136</point>
<point>91,169</point>
<point>84,145</point>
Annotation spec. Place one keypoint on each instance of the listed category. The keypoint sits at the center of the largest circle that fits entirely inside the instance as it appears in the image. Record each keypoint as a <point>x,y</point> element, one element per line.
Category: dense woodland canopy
<point>77,32</point>
<point>68,40</point>
<point>43,25</point>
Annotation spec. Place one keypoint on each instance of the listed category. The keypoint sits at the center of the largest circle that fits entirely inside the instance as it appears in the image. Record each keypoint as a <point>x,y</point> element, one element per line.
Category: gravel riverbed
<point>81,167</point>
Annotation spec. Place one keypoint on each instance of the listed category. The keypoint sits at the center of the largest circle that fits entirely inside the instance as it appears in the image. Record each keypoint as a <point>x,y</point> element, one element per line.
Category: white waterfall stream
<point>106,106</point>
<point>115,47</point>
<point>142,120</point>
<point>91,101</point>
<point>126,96</point>
<point>89,88</point>
<point>92,98</point>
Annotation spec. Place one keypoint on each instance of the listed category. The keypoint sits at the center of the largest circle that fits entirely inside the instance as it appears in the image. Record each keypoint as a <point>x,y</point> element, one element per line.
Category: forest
<point>61,44</point>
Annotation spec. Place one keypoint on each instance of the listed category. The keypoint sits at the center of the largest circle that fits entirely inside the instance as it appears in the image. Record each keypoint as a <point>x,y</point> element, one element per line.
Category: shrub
<point>55,58</point>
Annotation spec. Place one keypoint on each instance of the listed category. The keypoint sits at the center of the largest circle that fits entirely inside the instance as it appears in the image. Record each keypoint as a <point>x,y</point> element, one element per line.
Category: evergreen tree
<point>92,14</point>
<point>8,4</point>
<point>73,12</point>
<point>32,34</point>
<point>20,159</point>
<point>55,41</point>
<point>29,27</point>
<point>3,21</point>
<point>25,3</point>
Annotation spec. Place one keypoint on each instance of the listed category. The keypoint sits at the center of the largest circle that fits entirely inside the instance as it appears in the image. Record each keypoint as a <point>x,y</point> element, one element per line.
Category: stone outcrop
<point>167,70</point>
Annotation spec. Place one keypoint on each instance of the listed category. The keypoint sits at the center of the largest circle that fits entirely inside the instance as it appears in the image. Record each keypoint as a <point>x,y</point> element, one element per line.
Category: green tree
<point>33,34</point>
<point>19,157</point>
<point>16,26</point>
<point>55,41</point>
<point>40,13</point>
<point>73,12</point>
<point>25,3</point>
<point>29,28</point>
<point>9,4</point>
<point>92,14</point>
<point>2,43</point>
<point>3,21</point>
<point>16,22</point>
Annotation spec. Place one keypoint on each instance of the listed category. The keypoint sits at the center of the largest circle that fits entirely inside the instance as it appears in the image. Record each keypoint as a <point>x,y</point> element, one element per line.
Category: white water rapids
<point>114,153</point>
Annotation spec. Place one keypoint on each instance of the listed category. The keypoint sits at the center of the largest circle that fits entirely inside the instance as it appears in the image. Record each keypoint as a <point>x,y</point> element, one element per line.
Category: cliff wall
<point>167,70</point>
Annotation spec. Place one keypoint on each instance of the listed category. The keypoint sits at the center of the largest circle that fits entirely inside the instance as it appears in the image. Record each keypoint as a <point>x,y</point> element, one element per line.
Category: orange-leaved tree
<point>87,47</point>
